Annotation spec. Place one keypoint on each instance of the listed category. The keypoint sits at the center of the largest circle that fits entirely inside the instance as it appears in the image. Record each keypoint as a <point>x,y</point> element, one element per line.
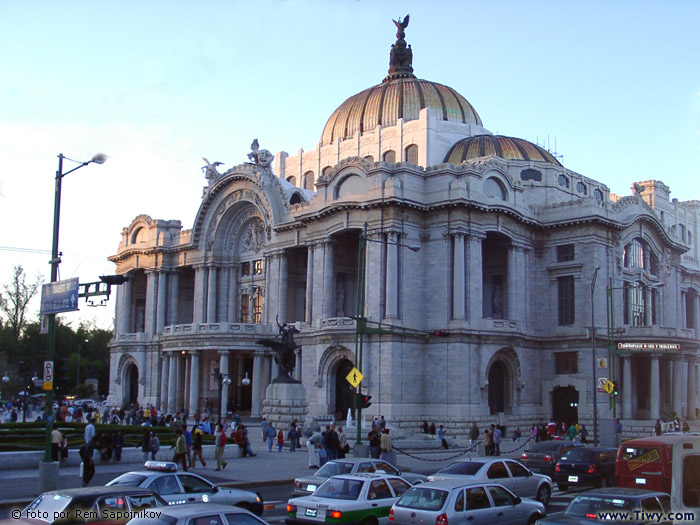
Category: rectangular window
<point>565,300</point>
<point>566,362</point>
<point>565,253</point>
<point>245,268</point>
<point>245,308</point>
<point>258,267</point>
<point>257,308</point>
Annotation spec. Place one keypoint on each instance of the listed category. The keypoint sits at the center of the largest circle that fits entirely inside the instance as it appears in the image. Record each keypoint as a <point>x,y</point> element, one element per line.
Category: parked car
<point>455,501</point>
<point>586,466</point>
<point>305,485</point>
<point>201,514</point>
<point>508,472</point>
<point>178,488</point>
<point>103,504</point>
<point>592,506</point>
<point>543,456</point>
<point>351,498</point>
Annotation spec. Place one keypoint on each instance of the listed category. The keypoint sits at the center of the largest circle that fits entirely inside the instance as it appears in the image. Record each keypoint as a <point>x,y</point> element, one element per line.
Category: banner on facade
<point>642,347</point>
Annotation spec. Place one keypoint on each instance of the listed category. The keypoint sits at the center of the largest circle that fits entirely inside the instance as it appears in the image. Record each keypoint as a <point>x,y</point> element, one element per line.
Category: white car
<point>198,514</point>
<point>353,498</point>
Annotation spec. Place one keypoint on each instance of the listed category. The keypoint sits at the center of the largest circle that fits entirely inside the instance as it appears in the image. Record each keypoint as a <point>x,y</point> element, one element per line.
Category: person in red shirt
<point>219,450</point>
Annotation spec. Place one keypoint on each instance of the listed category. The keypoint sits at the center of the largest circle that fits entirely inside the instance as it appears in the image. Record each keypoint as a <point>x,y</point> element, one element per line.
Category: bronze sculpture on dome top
<point>400,56</point>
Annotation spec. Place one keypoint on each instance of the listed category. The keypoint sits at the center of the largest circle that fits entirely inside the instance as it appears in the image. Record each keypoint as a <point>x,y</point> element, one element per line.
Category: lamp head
<point>245,381</point>
<point>99,158</point>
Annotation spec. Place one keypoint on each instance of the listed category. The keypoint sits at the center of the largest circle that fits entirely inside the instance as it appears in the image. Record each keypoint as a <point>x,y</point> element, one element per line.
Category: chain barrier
<point>455,456</point>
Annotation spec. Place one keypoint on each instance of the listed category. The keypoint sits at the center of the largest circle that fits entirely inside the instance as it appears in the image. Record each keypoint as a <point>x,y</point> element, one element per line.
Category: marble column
<point>512,285</point>
<point>174,299</point>
<point>198,314</point>
<point>308,314</point>
<point>627,387</point>
<point>647,310</point>
<point>257,384</point>
<point>151,289</point>
<point>125,317</point>
<point>185,381</point>
<point>211,294</point>
<point>283,289</point>
<point>692,389</point>
<point>696,317</point>
<point>458,277</point>
<point>475,278</point>
<point>180,385</point>
<point>194,382</point>
<point>172,383</point>
<point>233,315</point>
<point>392,276</point>
<point>297,364</point>
<point>164,382</point>
<point>162,298</point>
<point>655,389</point>
<point>224,369</point>
<point>679,393</point>
<point>328,280</point>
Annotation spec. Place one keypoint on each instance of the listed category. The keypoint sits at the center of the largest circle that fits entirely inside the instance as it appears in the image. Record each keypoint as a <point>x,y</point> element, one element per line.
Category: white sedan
<point>351,498</point>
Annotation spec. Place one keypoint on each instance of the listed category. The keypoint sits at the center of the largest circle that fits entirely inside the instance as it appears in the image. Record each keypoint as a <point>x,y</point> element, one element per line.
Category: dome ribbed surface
<point>509,148</point>
<point>386,103</point>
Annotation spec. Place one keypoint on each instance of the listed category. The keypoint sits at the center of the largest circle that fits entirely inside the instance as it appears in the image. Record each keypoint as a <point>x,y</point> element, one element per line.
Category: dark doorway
<point>344,392</point>
<point>565,405</point>
<point>497,387</point>
<point>132,385</point>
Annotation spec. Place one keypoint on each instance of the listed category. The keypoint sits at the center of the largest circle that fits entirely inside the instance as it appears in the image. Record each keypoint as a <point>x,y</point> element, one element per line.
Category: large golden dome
<point>391,100</point>
<point>400,95</point>
<point>509,148</point>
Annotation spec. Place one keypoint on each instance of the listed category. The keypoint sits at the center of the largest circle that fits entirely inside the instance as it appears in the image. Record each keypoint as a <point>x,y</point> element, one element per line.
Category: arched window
<point>325,171</point>
<point>582,188</point>
<point>309,181</point>
<point>369,158</point>
<point>634,254</point>
<point>295,198</point>
<point>138,236</point>
<point>389,156</point>
<point>412,154</point>
<point>292,180</point>
<point>563,181</point>
<point>598,195</point>
<point>494,188</point>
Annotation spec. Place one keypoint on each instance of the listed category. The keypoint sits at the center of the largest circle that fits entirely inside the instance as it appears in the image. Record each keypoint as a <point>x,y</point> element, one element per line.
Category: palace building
<point>487,239</point>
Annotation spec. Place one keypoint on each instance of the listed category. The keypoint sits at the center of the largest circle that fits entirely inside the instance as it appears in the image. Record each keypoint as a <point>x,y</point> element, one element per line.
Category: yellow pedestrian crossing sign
<point>609,386</point>
<point>355,377</point>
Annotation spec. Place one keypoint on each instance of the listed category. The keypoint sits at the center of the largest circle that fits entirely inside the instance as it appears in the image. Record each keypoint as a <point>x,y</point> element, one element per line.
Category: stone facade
<point>510,242</point>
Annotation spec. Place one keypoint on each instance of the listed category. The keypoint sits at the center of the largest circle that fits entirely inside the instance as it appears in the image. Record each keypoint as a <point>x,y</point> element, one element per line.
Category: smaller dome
<point>509,148</point>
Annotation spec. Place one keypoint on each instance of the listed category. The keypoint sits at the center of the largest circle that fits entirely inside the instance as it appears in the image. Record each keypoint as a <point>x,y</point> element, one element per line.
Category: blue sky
<point>158,85</point>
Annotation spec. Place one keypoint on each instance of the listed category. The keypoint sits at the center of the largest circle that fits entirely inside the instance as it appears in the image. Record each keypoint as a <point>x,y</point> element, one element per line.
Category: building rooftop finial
<point>400,56</point>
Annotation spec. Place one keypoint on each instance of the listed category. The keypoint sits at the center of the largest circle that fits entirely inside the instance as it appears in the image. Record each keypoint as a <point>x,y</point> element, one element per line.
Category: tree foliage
<point>14,301</point>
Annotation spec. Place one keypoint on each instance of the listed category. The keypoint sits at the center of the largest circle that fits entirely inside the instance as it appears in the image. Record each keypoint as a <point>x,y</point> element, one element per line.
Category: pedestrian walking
<point>332,442</point>
<point>488,443</point>
<point>474,435</point>
<point>118,444</point>
<point>56,438</point>
<point>154,445</point>
<point>86,454</point>
<point>239,439</point>
<point>219,448</point>
<point>343,447</point>
<point>197,448</point>
<point>385,446</point>
<point>584,434</point>
<point>180,446</point>
<point>292,436</point>
<point>374,443</point>
<point>442,437</point>
<point>271,435</point>
<point>145,445</point>
<point>89,431</point>
<point>263,426</point>
<point>280,440</point>
<point>313,444</point>
<point>497,438</point>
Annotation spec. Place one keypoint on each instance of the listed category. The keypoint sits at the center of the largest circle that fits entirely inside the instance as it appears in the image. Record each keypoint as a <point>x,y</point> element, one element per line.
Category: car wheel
<point>544,493</point>
<point>532,519</point>
<point>563,487</point>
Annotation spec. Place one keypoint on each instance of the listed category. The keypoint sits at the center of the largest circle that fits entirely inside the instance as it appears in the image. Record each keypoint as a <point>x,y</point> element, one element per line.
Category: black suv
<point>586,466</point>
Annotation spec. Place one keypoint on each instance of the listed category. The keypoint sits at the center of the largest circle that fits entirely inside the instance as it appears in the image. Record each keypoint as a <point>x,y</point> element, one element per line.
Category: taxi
<point>351,498</point>
<point>177,487</point>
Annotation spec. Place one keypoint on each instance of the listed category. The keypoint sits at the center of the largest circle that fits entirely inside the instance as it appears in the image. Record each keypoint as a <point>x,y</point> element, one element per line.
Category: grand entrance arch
<point>565,404</point>
<point>131,384</point>
<point>344,393</point>
<point>497,387</point>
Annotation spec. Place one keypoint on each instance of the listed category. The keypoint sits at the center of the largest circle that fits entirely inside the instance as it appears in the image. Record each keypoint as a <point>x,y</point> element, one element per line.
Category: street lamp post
<point>50,481</point>
<point>361,322</point>
<point>594,361</point>
<point>221,380</point>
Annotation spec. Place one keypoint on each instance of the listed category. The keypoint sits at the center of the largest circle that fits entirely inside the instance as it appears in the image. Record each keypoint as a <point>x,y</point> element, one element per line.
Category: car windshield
<point>465,468</point>
<point>423,499</point>
<point>579,454</point>
<point>545,446</point>
<point>129,480</point>
<point>334,468</point>
<point>48,504</point>
<point>590,506</point>
<point>340,488</point>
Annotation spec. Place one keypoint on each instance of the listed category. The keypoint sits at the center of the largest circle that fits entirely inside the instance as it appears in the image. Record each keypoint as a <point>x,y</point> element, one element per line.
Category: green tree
<point>14,301</point>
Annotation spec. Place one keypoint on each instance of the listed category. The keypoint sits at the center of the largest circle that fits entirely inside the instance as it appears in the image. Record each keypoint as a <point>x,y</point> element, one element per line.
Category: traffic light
<point>362,400</point>
<point>615,390</point>
<point>441,333</point>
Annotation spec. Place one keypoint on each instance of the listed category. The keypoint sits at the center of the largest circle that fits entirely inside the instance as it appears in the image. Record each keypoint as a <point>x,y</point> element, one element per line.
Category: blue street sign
<point>61,296</point>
